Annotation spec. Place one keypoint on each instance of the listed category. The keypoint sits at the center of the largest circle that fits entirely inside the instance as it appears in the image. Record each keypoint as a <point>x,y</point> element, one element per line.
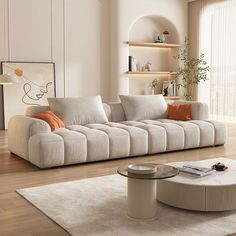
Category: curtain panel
<point>214,34</point>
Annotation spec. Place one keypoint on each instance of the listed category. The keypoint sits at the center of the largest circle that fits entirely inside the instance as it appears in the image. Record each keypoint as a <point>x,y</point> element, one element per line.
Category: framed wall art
<point>36,82</point>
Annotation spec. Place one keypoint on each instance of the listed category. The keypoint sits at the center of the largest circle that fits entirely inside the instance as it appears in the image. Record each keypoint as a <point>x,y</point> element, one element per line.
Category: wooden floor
<point>18,217</point>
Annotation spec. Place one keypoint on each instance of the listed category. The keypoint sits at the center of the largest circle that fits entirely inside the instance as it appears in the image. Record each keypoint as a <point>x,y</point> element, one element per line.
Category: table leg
<point>142,202</point>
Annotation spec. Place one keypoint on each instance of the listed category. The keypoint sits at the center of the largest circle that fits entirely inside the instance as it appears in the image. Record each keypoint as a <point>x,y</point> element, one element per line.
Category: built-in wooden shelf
<point>154,45</point>
<point>172,97</point>
<point>151,73</point>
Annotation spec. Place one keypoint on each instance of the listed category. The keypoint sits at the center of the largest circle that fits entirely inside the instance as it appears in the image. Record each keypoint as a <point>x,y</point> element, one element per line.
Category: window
<point>218,42</point>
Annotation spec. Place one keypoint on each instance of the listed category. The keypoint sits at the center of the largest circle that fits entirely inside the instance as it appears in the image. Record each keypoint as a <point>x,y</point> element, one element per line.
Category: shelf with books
<point>153,45</point>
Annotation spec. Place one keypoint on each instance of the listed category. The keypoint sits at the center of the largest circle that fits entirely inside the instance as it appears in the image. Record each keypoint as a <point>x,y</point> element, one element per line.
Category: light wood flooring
<point>18,217</point>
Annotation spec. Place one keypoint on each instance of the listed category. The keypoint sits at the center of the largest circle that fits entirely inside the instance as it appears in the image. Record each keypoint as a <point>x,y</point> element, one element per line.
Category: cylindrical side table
<point>141,190</point>
<point>141,198</point>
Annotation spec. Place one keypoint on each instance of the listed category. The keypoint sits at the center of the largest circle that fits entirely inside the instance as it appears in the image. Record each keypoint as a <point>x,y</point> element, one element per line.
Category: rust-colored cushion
<point>179,112</point>
<point>54,121</point>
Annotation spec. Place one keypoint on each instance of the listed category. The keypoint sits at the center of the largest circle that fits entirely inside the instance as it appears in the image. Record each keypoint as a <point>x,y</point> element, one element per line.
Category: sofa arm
<point>46,150</point>
<point>20,129</point>
<point>199,110</point>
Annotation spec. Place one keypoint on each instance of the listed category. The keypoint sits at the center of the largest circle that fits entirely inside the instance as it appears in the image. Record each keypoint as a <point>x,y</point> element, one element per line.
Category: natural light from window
<point>218,42</point>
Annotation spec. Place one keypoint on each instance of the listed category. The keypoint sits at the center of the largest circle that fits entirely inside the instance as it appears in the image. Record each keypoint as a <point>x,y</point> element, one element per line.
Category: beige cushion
<point>75,146</point>
<point>119,140</point>
<point>144,107</point>
<point>79,111</point>
<point>174,134</point>
<point>138,138</point>
<point>117,112</point>
<point>191,132</point>
<point>97,142</point>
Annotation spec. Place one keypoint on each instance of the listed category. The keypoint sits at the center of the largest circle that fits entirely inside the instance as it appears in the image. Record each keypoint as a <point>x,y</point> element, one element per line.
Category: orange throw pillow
<point>54,121</point>
<point>179,112</point>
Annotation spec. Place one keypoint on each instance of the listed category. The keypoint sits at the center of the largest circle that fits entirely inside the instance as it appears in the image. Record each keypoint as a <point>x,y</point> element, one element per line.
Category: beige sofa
<point>88,137</point>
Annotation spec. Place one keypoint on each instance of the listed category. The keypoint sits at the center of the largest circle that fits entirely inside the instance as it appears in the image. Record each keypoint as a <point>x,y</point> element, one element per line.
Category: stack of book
<point>196,170</point>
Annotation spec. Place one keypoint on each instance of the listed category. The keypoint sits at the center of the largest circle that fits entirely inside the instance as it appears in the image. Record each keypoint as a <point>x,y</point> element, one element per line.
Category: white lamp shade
<point>7,79</point>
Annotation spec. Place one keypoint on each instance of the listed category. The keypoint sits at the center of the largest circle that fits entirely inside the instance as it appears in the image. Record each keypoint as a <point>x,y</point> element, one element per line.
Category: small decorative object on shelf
<point>133,66</point>
<point>154,85</point>
<point>219,166</point>
<point>157,39</point>
<point>147,66</point>
<point>169,88</point>
<point>130,63</point>
<point>165,35</point>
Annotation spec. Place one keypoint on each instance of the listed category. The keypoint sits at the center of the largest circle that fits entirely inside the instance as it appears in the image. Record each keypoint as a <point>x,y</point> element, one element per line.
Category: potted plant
<point>191,71</point>
<point>154,85</point>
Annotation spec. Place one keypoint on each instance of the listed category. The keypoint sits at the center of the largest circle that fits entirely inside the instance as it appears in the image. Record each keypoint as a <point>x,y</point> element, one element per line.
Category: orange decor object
<point>54,121</point>
<point>179,112</point>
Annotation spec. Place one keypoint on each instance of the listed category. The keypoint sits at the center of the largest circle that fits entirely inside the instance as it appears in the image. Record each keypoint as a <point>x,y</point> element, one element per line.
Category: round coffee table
<point>141,190</point>
<point>216,192</point>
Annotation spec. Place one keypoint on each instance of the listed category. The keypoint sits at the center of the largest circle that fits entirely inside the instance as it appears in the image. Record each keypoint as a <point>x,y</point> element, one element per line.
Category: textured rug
<point>97,206</point>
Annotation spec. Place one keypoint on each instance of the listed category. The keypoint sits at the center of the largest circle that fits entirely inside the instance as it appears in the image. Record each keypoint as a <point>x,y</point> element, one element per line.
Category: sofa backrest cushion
<point>117,112</point>
<point>32,111</point>
<point>79,111</point>
<point>144,107</point>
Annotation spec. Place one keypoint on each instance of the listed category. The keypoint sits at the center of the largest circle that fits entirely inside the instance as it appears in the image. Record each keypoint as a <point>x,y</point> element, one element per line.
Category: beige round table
<point>216,192</point>
<point>141,190</point>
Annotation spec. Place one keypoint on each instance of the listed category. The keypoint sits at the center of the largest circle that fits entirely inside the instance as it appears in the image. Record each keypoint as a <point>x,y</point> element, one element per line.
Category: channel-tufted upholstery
<point>117,138</point>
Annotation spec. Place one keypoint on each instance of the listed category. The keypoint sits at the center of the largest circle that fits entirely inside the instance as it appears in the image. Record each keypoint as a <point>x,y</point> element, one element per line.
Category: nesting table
<point>141,190</point>
<point>216,192</point>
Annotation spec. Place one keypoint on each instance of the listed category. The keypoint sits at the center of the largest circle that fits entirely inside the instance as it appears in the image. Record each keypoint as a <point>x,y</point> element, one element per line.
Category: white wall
<point>72,33</point>
<point>85,38</point>
<point>87,48</point>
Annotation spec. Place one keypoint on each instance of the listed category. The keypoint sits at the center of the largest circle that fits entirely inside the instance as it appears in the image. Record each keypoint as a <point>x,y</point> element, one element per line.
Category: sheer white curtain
<point>218,42</point>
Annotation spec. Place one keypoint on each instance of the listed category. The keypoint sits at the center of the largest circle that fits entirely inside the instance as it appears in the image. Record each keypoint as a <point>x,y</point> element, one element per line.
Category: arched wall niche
<point>144,29</point>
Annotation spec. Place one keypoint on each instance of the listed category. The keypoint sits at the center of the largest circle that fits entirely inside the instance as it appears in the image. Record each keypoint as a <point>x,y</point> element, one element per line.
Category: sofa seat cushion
<point>119,139</point>
<point>157,140</point>
<point>75,146</point>
<point>207,132</point>
<point>191,132</point>
<point>220,131</point>
<point>138,138</point>
<point>174,134</point>
<point>97,142</point>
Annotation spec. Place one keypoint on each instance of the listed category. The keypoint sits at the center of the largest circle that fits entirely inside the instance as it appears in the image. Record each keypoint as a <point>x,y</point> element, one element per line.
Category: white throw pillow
<point>78,111</point>
<point>144,107</point>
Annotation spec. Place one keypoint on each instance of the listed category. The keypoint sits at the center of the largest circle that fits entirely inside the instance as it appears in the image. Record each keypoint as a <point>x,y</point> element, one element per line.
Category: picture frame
<point>36,84</point>
<point>169,88</point>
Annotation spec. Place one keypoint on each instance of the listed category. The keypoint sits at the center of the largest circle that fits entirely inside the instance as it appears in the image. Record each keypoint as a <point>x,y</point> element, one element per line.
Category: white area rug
<point>97,206</point>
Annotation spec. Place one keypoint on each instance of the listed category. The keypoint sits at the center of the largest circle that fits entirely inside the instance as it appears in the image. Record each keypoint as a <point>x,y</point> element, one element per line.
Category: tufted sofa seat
<point>33,140</point>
